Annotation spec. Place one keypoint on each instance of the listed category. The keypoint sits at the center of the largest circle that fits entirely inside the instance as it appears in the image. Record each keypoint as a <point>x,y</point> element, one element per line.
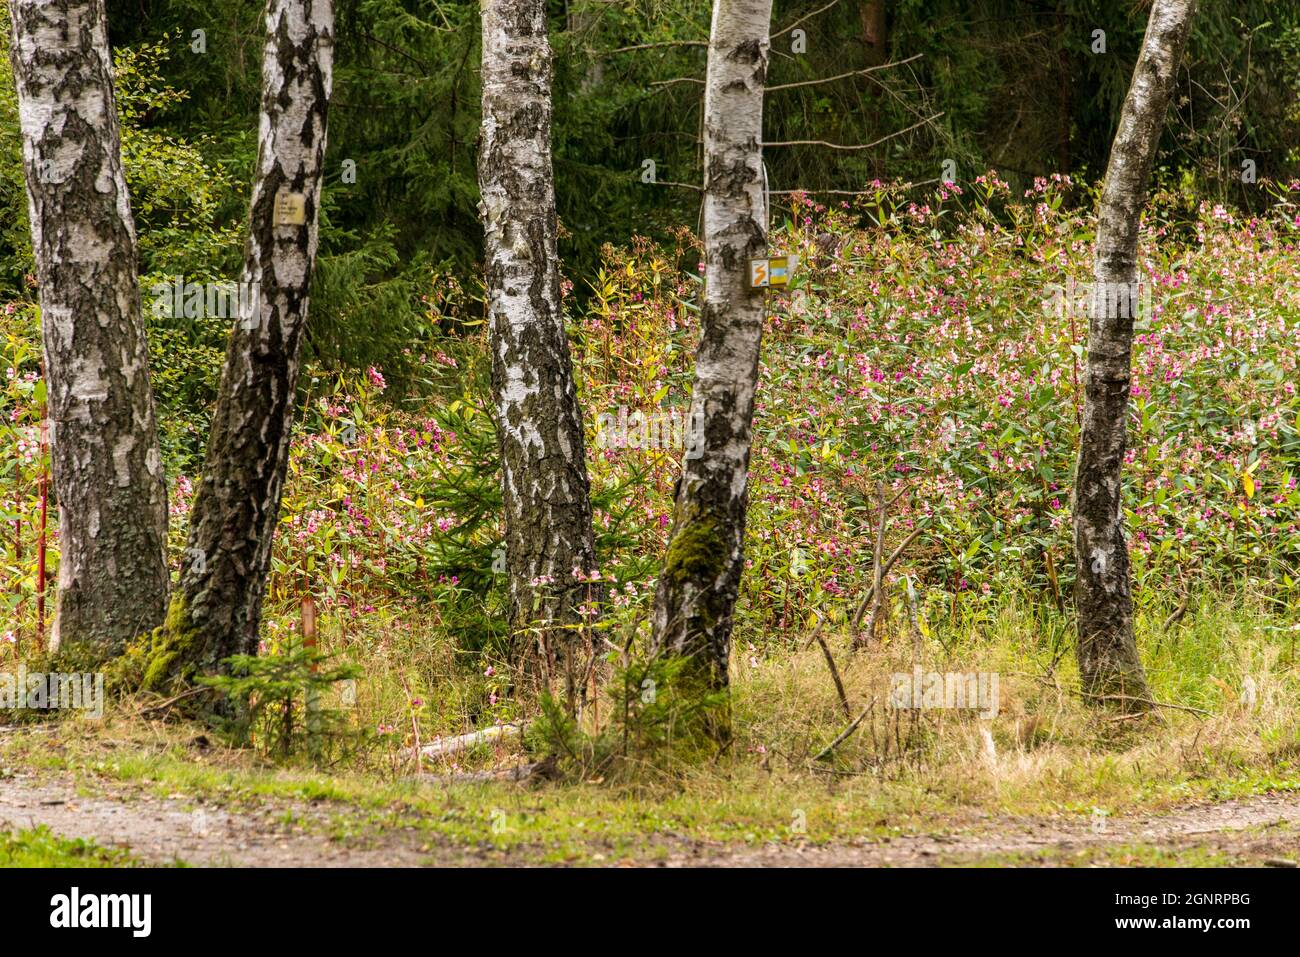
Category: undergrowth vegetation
<point>920,385</point>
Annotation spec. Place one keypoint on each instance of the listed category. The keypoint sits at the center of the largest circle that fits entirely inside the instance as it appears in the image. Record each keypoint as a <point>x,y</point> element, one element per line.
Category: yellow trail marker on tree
<point>776,271</point>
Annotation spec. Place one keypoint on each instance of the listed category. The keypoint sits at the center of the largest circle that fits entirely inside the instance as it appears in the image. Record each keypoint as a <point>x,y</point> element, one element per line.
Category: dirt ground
<point>165,829</point>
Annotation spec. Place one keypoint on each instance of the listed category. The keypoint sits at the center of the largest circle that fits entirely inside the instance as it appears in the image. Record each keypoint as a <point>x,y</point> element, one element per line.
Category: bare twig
<point>835,672</point>
<point>660,45</point>
<point>1115,719</point>
<point>423,65</point>
<point>1052,579</point>
<point>809,16</point>
<point>415,721</point>
<point>839,76</point>
<point>894,556</point>
<point>1148,701</point>
<point>841,192</point>
<point>678,79</point>
<point>855,146</point>
<point>878,576</point>
<point>170,701</point>
<point>844,735</point>
<point>1177,616</point>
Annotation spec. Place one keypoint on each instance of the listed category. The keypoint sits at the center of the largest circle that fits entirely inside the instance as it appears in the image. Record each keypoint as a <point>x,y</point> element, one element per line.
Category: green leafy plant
<point>659,719</point>
<point>278,699</point>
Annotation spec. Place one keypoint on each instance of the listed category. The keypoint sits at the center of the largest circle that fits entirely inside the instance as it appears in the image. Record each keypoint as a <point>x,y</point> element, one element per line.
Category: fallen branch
<point>169,702</point>
<point>1115,719</point>
<point>448,746</point>
<point>1148,701</point>
<point>835,672</point>
<point>844,735</point>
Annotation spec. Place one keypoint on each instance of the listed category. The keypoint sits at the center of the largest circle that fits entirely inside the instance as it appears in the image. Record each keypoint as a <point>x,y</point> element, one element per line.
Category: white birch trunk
<point>697,590</point>
<point>539,424</point>
<point>108,473</point>
<point>1107,649</point>
<point>217,609</point>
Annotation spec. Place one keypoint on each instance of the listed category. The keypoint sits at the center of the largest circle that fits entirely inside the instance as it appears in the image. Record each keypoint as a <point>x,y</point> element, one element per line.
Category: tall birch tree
<point>1107,648</point>
<point>216,610</point>
<point>550,553</point>
<point>696,594</point>
<point>108,473</point>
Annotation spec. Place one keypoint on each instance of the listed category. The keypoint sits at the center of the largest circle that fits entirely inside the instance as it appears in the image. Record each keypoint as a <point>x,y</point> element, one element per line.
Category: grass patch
<point>1044,753</point>
<point>1120,855</point>
<point>39,847</point>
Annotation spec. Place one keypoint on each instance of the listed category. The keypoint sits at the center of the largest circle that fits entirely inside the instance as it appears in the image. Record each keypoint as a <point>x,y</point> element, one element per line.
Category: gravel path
<point>163,829</point>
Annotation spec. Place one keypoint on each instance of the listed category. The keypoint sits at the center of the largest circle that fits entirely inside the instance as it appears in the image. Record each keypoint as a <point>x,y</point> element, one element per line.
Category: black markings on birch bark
<point>539,423</point>
<point>219,601</point>
<point>696,595</point>
<point>1107,649</point>
<point>108,472</point>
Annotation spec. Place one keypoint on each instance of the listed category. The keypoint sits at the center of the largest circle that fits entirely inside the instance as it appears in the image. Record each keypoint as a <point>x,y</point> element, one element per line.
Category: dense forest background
<point>1007,84</point>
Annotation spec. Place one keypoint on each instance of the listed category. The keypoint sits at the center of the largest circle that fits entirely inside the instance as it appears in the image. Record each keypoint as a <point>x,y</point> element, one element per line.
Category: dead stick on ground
<point>844,735</point>
<point>170,701</point>
<point>1155,704</point>
<point>835,672</point>
<point>448,746</point>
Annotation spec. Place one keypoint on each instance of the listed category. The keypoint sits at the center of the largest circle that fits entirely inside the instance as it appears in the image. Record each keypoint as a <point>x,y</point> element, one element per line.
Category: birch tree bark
<point>696,594</point>
<point>1107,649</point>
<point>539,424</point>
<point>216,610</point>
<point>108,472</point>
